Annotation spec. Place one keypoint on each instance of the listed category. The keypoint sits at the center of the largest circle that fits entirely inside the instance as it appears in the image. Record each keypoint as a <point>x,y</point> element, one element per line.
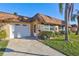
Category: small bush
<point>56,33</point>
<point>62,32</point>
<point>53,34</point>
<point>3,34</point>
<point>45,34</point>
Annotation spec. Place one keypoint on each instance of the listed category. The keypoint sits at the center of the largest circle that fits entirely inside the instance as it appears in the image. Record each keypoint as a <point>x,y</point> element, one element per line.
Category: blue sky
<point>30,9</point>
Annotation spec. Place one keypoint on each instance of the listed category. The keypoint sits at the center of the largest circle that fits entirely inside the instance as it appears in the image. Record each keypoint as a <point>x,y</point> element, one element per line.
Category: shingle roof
<point>11,17</point>
<point>48,20</point>
<point>42,18</point>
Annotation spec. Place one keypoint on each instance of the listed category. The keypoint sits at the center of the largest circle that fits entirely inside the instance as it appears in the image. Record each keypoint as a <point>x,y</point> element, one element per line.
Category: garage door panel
<point>21,31</point>
<point>25,31</point>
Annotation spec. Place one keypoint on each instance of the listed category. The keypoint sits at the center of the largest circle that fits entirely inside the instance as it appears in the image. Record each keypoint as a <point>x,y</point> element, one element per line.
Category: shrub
<point>70,32</point>
<point>53,34</point>
<point>56,34</point>
<point>62,32</point>
<point>45,34</point>
<point>3,34</point>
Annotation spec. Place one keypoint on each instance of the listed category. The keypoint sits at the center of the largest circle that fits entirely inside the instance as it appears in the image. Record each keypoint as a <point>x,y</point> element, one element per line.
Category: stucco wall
<point>32,27</point>
<point>57,28</point>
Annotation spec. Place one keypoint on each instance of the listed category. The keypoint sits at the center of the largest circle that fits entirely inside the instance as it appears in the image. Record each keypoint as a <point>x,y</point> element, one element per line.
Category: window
<point>24,25</point>
<point>51,27</point>
<point>17,24</point>
<point>60,27</point>
<point>45,27</point>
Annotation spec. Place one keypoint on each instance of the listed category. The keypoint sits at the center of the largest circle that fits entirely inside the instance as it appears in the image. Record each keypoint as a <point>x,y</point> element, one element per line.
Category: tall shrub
<point>3,34</point>
<point>45,34</point>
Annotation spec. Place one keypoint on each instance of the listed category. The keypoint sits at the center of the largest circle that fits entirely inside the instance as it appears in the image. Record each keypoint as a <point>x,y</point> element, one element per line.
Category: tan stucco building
<point>18,26</point>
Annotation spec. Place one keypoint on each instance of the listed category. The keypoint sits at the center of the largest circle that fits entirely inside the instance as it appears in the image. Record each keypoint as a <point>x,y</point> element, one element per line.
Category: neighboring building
<point>18,26</point>
<point>74,28</point>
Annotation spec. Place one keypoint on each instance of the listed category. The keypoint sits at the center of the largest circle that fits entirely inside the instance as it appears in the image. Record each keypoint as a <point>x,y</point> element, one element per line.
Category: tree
<point>15,13</point>
<point>76,17</point>
<point>19,17</point>
<point>68,10</point>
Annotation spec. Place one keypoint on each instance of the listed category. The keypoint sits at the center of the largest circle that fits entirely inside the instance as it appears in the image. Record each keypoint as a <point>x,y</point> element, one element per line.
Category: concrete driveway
<point>28,47</point>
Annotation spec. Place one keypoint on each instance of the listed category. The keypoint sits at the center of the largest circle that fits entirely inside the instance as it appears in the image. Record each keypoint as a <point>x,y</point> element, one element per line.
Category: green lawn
<point>70,48</point>
<point>3,45</point>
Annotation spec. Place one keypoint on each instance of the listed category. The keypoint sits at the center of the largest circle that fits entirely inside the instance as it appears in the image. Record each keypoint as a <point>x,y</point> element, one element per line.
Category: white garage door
<point>20,31</point>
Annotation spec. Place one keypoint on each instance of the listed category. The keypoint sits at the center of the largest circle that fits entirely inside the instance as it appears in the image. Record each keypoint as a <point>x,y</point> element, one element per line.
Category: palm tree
<point>68,10</point>
<point>76,17</point>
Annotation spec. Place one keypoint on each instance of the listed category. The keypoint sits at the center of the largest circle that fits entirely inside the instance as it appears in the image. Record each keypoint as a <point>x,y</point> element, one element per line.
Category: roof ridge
<point>50,16</point>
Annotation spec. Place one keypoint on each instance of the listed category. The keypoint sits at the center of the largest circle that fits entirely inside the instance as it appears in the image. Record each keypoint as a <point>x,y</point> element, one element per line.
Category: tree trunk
<point>77,32</point>
<point>66,22</point>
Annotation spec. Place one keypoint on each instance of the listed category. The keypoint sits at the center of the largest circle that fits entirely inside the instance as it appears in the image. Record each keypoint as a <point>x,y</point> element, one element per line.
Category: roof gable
<point>47,19</point>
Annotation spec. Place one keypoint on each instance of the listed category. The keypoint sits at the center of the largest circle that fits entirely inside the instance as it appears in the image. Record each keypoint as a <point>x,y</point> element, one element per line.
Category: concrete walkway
<point>28,47</point>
